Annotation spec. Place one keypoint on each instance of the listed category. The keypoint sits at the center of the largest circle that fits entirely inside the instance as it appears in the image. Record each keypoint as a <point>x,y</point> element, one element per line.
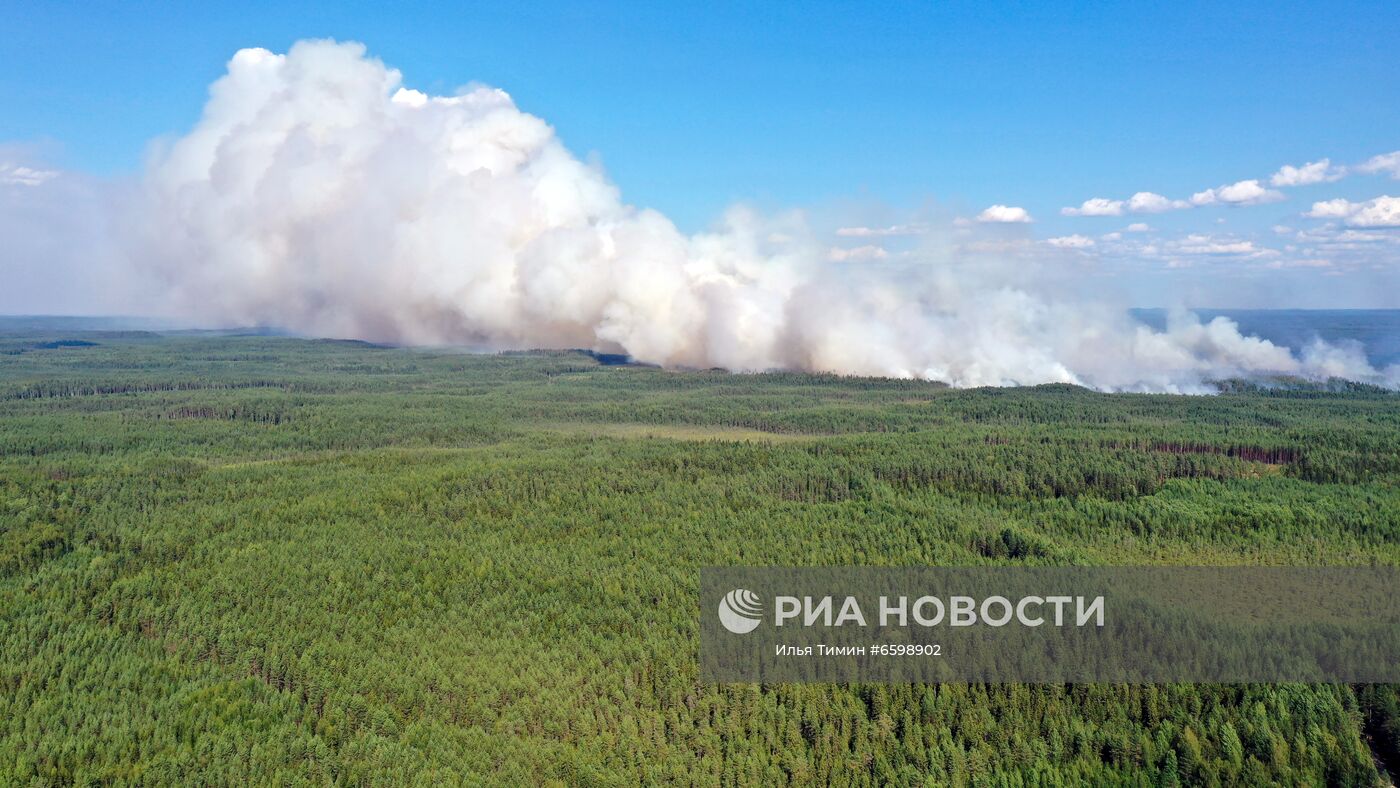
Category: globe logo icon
<point>740,611</point>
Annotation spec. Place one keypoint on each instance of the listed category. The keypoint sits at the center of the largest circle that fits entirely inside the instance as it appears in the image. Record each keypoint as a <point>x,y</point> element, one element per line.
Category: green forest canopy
<point>227,559</point>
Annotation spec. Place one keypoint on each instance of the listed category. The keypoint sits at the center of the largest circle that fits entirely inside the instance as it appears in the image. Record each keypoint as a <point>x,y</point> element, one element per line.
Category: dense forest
<point>248,559</point>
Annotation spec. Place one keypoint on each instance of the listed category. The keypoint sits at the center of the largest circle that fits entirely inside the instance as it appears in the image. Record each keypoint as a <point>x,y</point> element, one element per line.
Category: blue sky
<point>692,107</point>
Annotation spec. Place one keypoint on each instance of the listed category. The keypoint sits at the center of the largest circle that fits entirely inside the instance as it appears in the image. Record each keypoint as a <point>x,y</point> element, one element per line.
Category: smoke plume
<point>319,194</point>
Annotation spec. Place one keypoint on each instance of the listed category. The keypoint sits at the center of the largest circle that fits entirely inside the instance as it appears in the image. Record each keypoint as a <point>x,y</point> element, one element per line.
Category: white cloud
<point>1139,227</point>
<point>1150,202</point>
<point>1333,236</point>
<point>19,175</point>
<point>1299,262</point>
<point>1206,244</point>
<point>1388,163</point>
<point>858,254</point>
<point>1361,236</point>
<point>1141,202</point>
<point>1383,211</point>
<point>1097,206</point>
<point>1330,209</point>
<point>1071,242</point>
<point>1112,236</point>
<point>1313,172</point>
<point>1248,192</point>
<point>1004,214</point>
<point>882,232</point>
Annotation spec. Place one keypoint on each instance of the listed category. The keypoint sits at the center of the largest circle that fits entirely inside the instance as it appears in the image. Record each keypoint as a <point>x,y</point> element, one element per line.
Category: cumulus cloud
<point>1206,244</point>
<point>1149,202</point>
<point>1387,163</point>
<point>1383,211</point>
<point>1248,192</point>
<point>1141,202</point>
<point>1004,214</point>
<point>12,174</point>
<point>1071,242</point>
<point>1330,209</point>
<point>1139,227</point>
<point>1320,171</point>
<point>882,232</point>
<point>1097,206</point>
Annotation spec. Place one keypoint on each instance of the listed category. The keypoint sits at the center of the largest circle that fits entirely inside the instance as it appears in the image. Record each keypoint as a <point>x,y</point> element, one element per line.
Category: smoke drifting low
<point>318,194</point>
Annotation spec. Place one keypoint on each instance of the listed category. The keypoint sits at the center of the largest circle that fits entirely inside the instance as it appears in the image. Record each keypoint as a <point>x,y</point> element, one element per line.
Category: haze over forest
<point>321,194</point>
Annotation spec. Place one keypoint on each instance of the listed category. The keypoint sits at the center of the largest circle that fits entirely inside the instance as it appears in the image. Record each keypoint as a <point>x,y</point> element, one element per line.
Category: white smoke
<point>56,254</point>
<point>318,194</point>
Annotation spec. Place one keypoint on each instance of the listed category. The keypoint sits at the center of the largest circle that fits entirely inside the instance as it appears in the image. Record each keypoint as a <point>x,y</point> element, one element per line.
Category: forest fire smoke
<point>319,194</point>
